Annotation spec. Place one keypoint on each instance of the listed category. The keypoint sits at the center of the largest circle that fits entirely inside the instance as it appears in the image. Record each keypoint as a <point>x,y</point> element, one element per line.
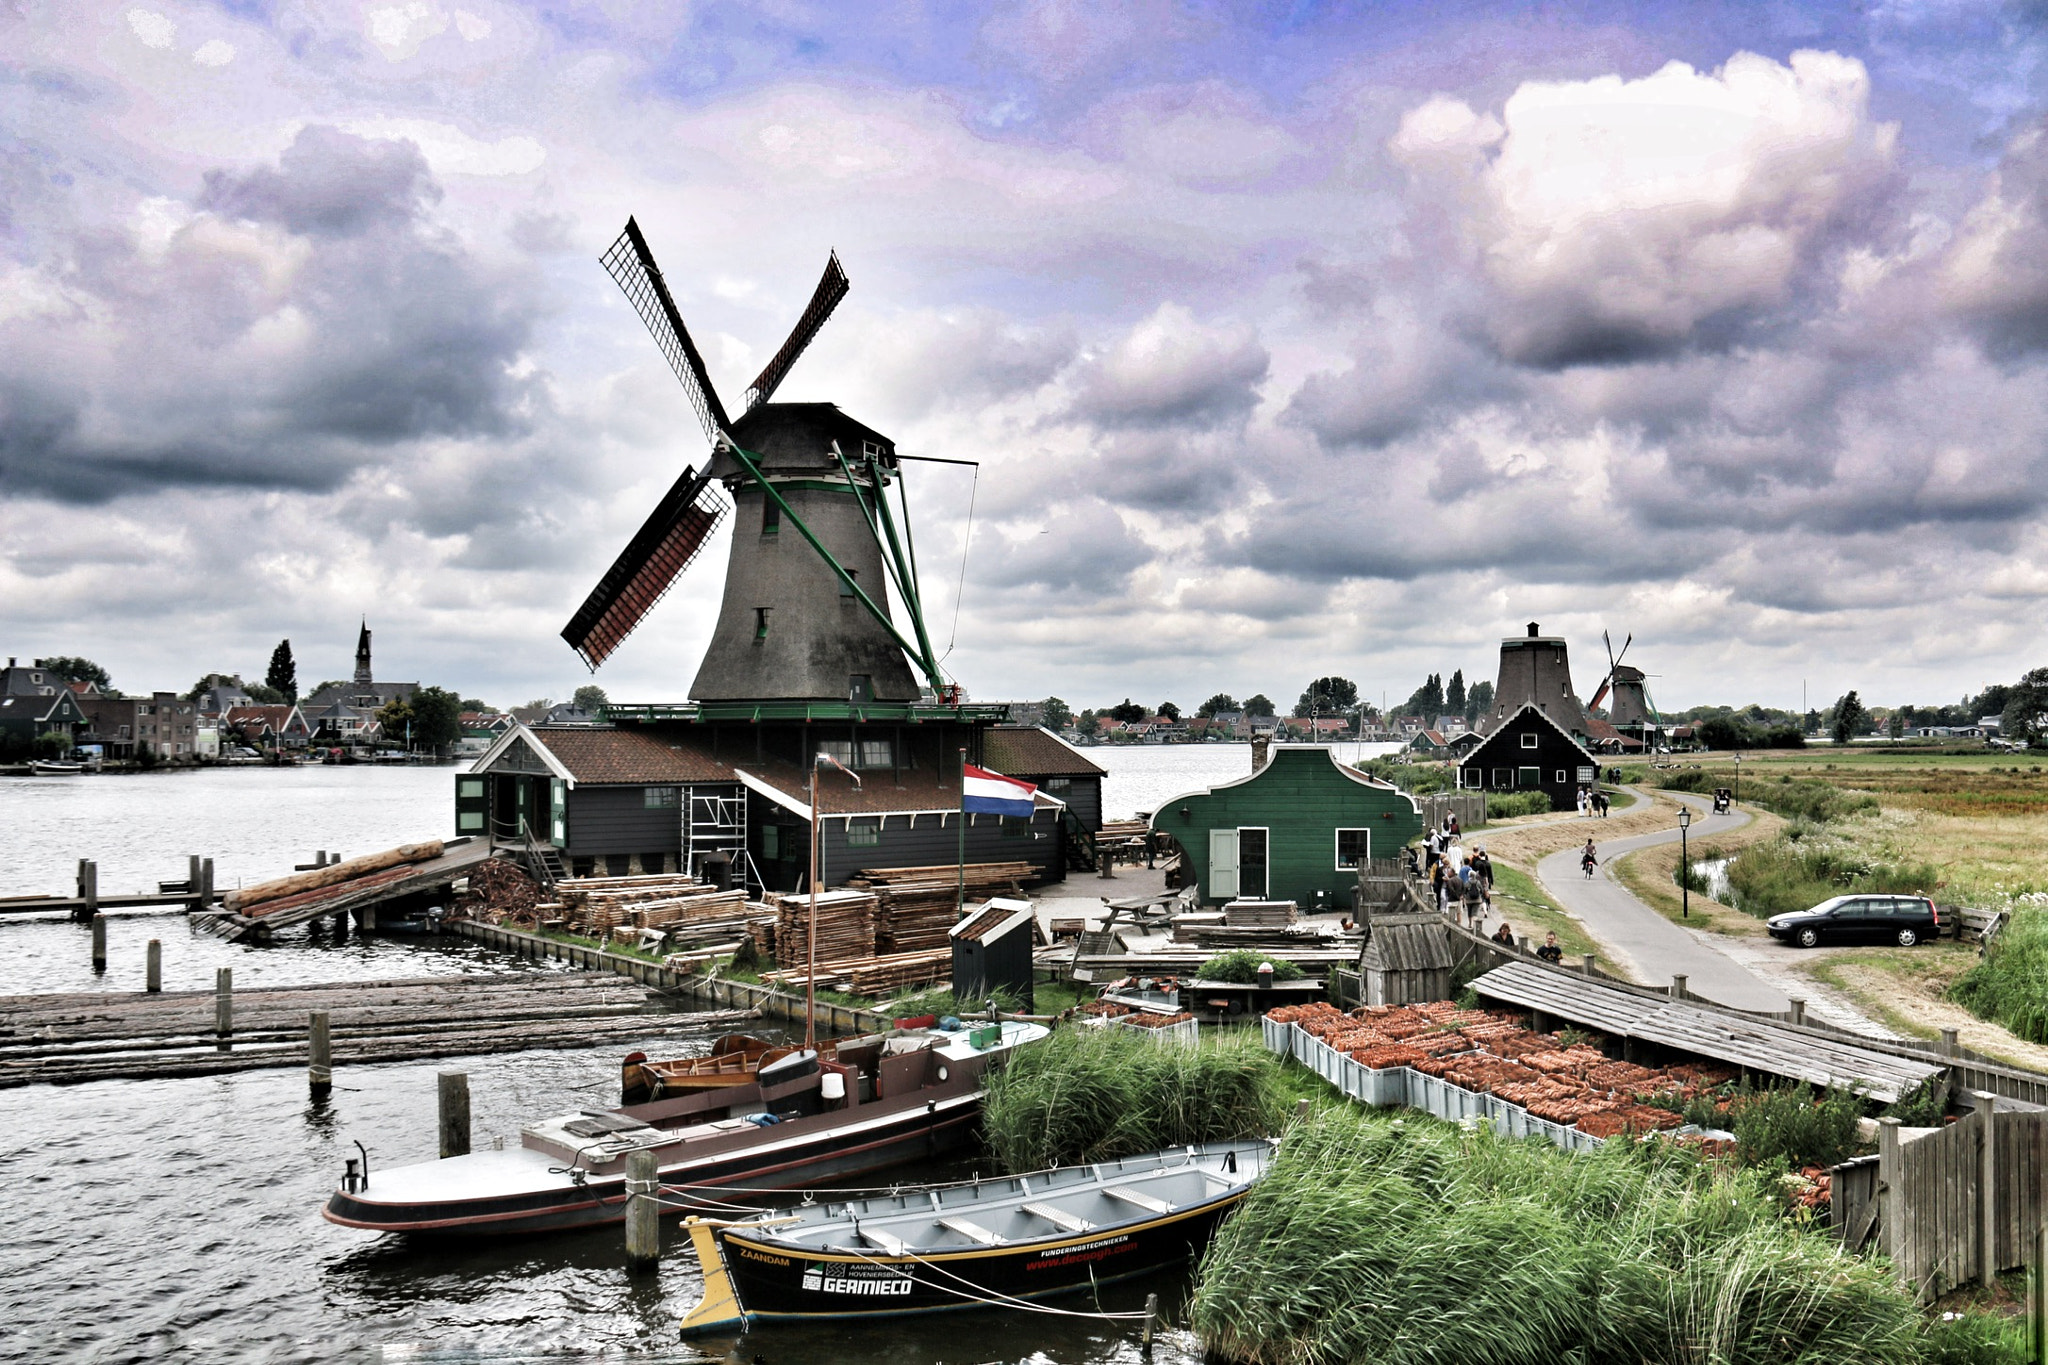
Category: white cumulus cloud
<point>449,150</point>
<point>214,53</point>
<point>400,29</point>
<point>152,28</point>
<point>1614,217</point>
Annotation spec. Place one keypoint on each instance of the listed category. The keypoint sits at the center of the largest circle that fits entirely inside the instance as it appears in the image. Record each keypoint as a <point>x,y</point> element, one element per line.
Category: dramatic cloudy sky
<point>1293,339</point>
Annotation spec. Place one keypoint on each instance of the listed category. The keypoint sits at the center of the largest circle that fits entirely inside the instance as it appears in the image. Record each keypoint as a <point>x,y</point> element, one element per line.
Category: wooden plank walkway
<point>132,1035</point>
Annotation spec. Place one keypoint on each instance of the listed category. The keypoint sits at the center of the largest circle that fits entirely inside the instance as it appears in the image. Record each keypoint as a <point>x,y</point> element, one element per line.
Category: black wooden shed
<point>992,951</point>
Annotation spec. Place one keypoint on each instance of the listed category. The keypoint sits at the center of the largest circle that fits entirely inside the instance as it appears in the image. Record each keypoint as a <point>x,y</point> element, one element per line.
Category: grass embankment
<point>1529,909</point>
<point>1096,1094</point>
<point>1049,997</point>
<point>1393,1241</point>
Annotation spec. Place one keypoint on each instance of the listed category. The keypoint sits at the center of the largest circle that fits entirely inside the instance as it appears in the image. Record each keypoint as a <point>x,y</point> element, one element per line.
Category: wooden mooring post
<point>1151,1322</point>
<point>99,943</point>
<point>88,888</point>
<point>224,1005</point>
<point>454,1113</point>
<point>153,970</point>
<point>319,1053</point>
<point>643,1209</point>
<point>195,880</point>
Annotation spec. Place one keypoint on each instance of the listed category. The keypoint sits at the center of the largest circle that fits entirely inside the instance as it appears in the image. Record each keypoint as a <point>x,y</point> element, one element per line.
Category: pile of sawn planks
<point>915,905</point>
<point>872,975</point>
<point>846,926</point>
<point>692,912</point>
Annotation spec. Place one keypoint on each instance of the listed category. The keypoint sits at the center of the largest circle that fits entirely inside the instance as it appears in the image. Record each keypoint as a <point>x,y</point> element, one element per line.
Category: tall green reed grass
<point>1094,1094</point>
<point>2009,985</point>
<point>1414,1243</point>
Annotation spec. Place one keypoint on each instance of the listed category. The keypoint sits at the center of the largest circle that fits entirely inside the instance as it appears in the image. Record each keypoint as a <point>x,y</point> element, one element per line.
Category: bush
<point>1096,1094</point>
<point>1689,780</point>
<point>1414,1243</point>
<point>1977,1339</point>
<point>1508,805</point>
<point>1776,1127</point>
<point>2010,986</point>
<point>1241,967</point>
<point>1783,875</point>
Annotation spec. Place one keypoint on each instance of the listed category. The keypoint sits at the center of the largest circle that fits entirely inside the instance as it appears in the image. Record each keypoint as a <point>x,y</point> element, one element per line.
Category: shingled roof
<point>629,757</point>
<point>1034,751</point>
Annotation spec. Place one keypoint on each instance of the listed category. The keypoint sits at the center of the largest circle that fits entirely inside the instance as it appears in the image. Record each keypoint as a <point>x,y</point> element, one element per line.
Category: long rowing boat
<point>982,1243</point>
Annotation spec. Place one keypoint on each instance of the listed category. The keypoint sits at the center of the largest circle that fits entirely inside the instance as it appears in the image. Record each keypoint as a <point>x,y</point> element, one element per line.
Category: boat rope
<point>990,1298</point>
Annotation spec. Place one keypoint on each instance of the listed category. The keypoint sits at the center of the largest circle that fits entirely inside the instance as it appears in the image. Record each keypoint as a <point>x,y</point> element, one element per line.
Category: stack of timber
<point>108,1036</point>
<point>846,926</point>
<point>872,975</point>
<point>338,888</point>
<point>916,906</point>
<point>596,904</point>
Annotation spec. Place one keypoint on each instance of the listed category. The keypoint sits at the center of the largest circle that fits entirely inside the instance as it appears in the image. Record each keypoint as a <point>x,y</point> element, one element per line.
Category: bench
<point>894,1246</point>
<point>1059,1218</point>
<point>973,1232</point>
<point>1138,1198</point>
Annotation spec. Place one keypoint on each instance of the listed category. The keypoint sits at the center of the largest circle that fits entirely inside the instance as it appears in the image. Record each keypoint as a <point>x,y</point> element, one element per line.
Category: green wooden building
<point>1302,824</point>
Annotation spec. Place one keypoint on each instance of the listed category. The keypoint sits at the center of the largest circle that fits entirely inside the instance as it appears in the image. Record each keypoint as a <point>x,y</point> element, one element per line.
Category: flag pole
<point>960,894</point>
<point>811,950</point>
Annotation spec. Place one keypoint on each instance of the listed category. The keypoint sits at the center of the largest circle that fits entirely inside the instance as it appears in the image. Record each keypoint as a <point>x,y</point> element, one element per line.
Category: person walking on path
<point>1483,866</point>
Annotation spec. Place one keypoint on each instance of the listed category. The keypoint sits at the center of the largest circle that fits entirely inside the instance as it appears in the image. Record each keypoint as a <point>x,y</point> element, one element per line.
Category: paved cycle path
<point>1643,941</point>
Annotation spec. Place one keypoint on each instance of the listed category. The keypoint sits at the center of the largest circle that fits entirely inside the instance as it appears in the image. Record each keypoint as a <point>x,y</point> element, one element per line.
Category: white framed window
<point>1561,778</point>
<point>1354,846</point>
<point>1529,741</point>
<point>658,798</point>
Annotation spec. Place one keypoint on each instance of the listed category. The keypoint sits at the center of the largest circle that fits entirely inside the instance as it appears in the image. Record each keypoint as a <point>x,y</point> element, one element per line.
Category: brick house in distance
<point>162,722</point>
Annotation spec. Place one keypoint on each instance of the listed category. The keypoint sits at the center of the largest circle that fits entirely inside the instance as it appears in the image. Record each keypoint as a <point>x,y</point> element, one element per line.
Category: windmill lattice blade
<point>649,565</point>
<point>824,299</point>
<point>631,265</point>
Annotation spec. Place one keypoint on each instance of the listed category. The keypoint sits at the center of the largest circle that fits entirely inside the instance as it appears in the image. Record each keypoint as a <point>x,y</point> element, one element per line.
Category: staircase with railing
<point>1077,842</point>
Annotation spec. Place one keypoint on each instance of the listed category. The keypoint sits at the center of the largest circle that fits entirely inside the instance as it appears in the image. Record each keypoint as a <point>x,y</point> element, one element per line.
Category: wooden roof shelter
<point>1755,1044</point>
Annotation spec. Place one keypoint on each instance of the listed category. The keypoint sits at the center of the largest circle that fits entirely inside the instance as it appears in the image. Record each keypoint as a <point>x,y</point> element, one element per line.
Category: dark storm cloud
<point>296,323</point>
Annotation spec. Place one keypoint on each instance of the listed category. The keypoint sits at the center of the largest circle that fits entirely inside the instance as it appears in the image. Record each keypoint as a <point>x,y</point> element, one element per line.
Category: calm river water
<point>178,1220</point>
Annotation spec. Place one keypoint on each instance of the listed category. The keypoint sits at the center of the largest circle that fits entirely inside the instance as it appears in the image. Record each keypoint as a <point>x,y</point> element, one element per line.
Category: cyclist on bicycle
<point>1587,858</point>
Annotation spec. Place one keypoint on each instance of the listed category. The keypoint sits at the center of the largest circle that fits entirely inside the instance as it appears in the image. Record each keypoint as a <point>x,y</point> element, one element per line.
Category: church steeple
<point>363,655</point>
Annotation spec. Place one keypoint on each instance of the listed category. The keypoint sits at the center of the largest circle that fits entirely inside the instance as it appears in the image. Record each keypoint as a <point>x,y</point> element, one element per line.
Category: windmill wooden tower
<point>815,546</point>
<point>1632,712</point>
<point>819,646</point>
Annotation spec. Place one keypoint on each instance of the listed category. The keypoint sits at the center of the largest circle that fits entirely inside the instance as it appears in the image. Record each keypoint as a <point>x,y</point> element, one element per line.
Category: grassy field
<point>1965,828</point>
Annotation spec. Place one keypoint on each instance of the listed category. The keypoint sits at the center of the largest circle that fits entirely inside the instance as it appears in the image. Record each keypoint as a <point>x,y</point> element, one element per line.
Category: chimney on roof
<point>1532,630</point>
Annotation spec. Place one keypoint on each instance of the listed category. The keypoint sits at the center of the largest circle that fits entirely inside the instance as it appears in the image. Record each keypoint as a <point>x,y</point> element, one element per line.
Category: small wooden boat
<point>734,1060</point>
<point>975,1244</point>
<point>878,1101</point>
<point>46,767</point>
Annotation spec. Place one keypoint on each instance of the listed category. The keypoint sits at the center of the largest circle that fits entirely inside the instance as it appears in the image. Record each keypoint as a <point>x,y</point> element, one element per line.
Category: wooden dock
<point>134,1035</point>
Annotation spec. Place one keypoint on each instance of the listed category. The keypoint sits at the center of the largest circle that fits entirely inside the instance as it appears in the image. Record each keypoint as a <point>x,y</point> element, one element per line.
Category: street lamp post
<point>1684,862</point>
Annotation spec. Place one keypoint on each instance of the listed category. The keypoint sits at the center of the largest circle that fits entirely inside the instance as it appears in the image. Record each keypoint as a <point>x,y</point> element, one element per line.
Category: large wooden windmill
<point>1632,712</point>
<point>816,547</point>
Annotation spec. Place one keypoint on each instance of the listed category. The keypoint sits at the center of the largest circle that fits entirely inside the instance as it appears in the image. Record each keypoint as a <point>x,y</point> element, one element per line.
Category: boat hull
<point>913,1134</point>
<point>779,1283</point>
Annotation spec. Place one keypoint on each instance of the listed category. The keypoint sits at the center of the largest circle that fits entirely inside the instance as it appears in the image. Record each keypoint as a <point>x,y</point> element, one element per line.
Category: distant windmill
<point>1632,713</point>
<point>796,623</point>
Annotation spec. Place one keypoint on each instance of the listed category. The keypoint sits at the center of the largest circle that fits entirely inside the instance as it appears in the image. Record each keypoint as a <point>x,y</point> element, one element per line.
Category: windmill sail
<point>824,299</point>
<point>645,570</point>
<point>631,265</point>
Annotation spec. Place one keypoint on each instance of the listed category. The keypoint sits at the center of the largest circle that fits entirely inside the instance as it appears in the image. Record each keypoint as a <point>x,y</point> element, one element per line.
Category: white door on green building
<point>1223,864</point>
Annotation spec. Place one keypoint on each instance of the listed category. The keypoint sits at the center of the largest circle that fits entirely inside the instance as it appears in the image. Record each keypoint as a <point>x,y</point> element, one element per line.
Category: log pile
<point>1564,1082</point>
<point>871,975</point>
<point>595,904</point>
<point>87,1036</point>
<point>247,900</point>
<point>500,891</point>
<point>915,905</point>
<point>846,926</point>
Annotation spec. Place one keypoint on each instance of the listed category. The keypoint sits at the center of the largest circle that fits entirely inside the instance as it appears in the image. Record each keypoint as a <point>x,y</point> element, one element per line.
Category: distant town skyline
<point>1327,342</point>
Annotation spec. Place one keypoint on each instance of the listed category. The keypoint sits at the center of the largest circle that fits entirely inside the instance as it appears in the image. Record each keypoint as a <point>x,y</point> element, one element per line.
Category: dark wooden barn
<point>1036,754</point>
<point>683,792</point>
<point>1528,750</point>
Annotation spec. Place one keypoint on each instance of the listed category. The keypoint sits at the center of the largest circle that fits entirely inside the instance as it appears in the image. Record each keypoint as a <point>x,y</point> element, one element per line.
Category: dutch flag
<point>986,793</point>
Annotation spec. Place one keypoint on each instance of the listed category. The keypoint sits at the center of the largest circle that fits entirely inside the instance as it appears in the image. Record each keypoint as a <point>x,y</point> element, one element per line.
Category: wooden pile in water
<point>846,926</point>
<point>916,905</point>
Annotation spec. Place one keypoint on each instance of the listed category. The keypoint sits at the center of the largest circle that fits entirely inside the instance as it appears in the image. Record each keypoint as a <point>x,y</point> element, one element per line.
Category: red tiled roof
<point>599,756</point>
<point>1032,752</point>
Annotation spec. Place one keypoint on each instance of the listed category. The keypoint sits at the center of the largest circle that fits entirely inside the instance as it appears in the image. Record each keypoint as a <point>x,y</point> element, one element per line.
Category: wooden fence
<point>1469,807</point>
<point>1946,1207</point>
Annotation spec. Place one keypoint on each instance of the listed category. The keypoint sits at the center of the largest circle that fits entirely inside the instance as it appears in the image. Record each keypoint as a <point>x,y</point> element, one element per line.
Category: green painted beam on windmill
<point>907,580</point>
<point>752,465</point>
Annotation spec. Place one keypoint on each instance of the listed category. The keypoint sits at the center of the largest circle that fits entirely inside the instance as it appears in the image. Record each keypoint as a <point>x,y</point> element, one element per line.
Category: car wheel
<point>1908,937</point>
<point>1809,938</point>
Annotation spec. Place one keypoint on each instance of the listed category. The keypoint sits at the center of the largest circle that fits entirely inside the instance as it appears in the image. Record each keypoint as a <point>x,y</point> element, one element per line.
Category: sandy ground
<point>1525,845</point>
<point>1934,1015</point>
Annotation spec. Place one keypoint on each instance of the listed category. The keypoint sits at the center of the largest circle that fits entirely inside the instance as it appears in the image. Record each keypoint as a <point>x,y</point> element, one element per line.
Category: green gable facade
<point>1299,825</point>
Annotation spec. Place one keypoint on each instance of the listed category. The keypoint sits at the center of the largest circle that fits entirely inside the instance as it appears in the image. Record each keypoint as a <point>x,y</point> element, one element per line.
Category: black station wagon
<point>1903,920</point>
